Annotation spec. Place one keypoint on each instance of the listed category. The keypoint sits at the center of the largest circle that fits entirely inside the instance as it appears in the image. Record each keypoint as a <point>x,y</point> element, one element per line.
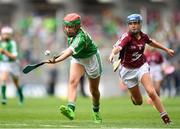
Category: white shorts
<point>11,67</point>
<point>92,65</point>
<point>132,77</point>
<point>156,72</point>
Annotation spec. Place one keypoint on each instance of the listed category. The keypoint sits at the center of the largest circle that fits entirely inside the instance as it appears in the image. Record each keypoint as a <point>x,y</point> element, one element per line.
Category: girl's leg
<point>76,71</point>
<point>148,85</point>
<point>19,88</point>
<point>4,78</point>
<point>136,96</point>
<point>94,89</point>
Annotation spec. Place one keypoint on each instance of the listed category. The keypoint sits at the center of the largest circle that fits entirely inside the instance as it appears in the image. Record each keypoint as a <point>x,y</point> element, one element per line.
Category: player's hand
<point>170,52</point>
<point>1,50</point>
<point>111,57</point>
<point>52,61</point>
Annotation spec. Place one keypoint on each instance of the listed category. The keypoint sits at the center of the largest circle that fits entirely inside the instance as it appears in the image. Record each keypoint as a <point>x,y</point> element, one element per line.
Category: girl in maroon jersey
<point>134,68</point>
<point>155,60</point>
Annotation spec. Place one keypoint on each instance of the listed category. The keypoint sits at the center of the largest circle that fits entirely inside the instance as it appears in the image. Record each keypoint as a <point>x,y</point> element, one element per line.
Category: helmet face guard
<point>71,33</point>
<point>134,18</point>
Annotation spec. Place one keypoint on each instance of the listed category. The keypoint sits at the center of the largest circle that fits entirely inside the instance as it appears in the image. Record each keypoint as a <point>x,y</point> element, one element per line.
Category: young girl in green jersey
<point>84,59</point>
<point>9,62</point>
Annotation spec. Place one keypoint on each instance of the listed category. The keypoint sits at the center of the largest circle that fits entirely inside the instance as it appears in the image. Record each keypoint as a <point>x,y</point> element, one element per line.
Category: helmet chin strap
<point>134,33</point>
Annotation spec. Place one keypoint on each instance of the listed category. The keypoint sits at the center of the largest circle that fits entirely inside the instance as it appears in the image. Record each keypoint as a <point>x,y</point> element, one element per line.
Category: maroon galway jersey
<point>154,57</point>
<point>132,53</point>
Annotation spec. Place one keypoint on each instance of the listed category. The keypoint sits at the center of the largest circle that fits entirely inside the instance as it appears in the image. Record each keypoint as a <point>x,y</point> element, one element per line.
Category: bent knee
<point>74,82</point>
<point>95,92</point>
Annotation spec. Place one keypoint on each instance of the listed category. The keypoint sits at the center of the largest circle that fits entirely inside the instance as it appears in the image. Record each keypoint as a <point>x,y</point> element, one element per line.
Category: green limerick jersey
<point>9,46</point>
<point>82,45</point>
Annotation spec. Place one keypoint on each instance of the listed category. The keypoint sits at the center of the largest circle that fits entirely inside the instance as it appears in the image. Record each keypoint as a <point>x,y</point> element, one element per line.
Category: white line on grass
<point>148,128</point>
<point>16,124</point>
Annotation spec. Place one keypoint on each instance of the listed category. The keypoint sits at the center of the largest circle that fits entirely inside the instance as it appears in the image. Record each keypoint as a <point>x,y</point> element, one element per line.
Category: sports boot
<point>97,117</point>
<point>68,112</point>
<point>166,119</point>
<point>4,101</point>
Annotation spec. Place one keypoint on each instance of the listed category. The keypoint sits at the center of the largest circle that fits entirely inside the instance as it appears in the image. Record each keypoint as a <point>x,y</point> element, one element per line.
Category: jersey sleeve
<point>148,40</point>
<point>77,45</point>
<point>123,41</point>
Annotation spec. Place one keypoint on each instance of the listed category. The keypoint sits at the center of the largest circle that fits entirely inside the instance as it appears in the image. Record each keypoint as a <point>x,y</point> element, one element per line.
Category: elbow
<point>13,57</point>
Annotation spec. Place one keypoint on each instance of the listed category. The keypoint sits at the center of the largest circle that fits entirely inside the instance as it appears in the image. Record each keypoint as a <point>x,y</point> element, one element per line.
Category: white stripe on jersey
<point>119,41</point>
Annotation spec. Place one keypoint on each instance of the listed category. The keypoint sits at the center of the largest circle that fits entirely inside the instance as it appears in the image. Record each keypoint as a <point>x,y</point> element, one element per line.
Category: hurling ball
<point>47,53</point>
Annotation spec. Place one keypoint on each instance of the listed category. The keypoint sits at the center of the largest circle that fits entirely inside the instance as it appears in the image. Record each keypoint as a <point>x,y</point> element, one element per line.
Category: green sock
<point>71,105</point>
<point>20,94</point>
<point>96,107</point>
<point>3,88</point>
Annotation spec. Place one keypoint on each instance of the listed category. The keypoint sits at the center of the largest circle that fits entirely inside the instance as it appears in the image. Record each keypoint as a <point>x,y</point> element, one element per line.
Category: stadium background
<point>37,26</point>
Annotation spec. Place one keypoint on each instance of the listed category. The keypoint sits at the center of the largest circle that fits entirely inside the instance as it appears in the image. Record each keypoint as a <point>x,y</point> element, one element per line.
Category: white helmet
<point>6,30</point>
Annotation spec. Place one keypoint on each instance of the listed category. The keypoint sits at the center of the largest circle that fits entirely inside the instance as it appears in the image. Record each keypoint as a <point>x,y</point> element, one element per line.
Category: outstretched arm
<point>114,52</point>
<point>64,55</point>
<point>156,44</point>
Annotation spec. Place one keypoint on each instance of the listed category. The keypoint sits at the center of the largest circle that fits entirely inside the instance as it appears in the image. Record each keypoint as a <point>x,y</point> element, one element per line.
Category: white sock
<point>163,114</point>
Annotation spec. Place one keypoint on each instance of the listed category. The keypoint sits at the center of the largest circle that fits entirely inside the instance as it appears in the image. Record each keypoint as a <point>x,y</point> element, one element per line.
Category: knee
<point>74,82</point>
<point>95,92</point>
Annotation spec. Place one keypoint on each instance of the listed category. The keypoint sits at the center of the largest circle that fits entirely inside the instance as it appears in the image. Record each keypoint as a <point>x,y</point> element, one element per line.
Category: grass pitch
<point>117,112</point>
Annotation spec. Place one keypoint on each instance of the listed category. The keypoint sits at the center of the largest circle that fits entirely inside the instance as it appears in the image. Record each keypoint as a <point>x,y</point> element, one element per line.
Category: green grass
<point>117,112</point>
